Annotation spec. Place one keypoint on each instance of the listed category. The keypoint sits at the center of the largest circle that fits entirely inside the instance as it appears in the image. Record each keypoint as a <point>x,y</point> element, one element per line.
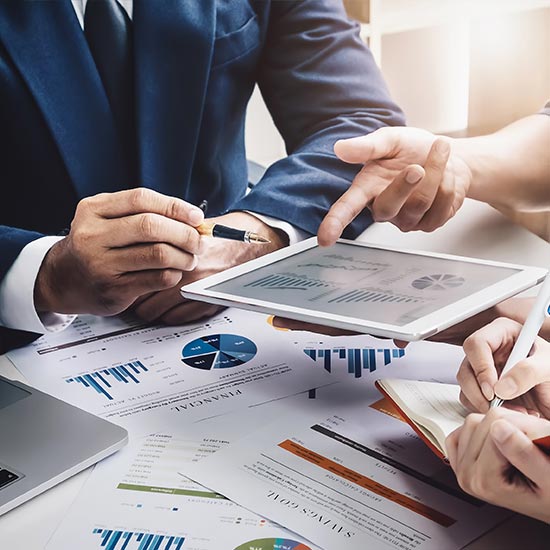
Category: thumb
<point>524,376</point>
<point>359,150</point>
<point>519,450</point>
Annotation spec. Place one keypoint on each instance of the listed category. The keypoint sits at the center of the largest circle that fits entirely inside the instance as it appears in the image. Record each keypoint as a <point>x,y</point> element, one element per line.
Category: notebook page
<point>430,403</point>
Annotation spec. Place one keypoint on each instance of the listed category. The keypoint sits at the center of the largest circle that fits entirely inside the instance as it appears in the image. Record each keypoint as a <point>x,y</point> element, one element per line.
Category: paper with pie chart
<point>136,499</point>
<point>273,544</point>
<point>219,351</point>
<point>144,377</point>
<point>354,478</point>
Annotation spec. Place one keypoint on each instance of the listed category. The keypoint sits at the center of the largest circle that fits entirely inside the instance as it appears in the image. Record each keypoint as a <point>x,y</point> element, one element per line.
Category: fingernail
<point>487,390</point>
<point>413,176</point>
<point>442,147</point>
<point>501,431</point>
<point>196,216</point>
<point>506,388</point>
<point>532,412</point>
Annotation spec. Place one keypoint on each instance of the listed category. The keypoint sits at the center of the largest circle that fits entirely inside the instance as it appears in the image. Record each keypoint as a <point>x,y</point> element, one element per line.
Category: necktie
<point>108,30</point>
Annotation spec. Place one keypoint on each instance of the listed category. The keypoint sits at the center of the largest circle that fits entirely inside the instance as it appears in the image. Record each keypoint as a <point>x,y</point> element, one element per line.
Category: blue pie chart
<point>218,351</point>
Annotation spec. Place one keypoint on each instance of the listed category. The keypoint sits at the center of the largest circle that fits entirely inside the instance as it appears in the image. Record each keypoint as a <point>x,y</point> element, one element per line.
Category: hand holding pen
<point>524,343</point>
<point>506,360</point>
<point>213,255</point>
<point>219,231</point>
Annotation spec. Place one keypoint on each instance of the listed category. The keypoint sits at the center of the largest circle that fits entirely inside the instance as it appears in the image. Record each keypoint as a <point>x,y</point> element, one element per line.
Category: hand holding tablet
<point>359,287</point>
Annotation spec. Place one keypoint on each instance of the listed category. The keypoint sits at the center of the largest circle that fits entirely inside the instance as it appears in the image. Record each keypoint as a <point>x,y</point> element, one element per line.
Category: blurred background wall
<point>460,67</point>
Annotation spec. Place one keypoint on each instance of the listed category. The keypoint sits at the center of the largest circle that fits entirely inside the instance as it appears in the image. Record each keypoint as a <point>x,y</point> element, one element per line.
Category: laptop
<point>43,441</point>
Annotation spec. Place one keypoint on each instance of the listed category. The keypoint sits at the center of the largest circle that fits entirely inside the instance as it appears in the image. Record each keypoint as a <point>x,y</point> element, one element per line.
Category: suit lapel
<point>47,45</point>
<point>173,49</point>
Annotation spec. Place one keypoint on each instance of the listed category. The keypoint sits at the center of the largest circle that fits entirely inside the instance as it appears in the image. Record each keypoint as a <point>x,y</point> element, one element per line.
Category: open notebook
<point>432,409</point>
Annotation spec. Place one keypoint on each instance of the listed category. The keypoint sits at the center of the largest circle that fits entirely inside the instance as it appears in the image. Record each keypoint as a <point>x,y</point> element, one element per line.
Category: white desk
<point>476,231</point>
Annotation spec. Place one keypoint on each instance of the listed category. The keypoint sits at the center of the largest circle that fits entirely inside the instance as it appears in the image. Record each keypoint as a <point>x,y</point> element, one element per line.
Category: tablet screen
<point>390,287</point>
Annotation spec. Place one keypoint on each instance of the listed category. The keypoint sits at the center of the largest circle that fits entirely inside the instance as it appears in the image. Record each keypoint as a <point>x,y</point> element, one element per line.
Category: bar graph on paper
<point>103,381</point>
<point>110,539</point>
<point>356,361</point>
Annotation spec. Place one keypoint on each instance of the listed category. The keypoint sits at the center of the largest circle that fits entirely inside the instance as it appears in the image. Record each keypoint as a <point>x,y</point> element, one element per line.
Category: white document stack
<point>244,437</point>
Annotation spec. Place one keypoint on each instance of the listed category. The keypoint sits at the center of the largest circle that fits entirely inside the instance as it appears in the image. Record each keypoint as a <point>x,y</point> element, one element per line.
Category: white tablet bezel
<point>417,330</point>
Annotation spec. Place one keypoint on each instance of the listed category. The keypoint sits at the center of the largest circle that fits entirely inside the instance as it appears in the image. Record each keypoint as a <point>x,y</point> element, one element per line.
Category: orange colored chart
<point>367,483</point>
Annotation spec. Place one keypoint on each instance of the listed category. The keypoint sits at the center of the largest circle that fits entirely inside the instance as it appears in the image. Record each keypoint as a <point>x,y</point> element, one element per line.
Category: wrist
<point>47,283</point>
<point>478,158</point>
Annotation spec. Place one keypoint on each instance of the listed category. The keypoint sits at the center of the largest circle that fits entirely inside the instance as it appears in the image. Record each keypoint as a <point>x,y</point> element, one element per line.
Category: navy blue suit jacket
<point>196,63</point>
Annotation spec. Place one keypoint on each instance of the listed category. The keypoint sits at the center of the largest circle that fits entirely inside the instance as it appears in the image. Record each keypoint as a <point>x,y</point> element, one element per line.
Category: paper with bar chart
<point>362,359</point>
<point>142,376</point>
<point>359,478</point>
<point>136,500</point>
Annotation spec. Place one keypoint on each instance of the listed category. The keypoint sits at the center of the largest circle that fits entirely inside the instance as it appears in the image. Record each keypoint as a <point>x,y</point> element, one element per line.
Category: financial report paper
<point>136,499</point>
<point>344,471</point>
<point>145,377</point>
<point>336,450</point>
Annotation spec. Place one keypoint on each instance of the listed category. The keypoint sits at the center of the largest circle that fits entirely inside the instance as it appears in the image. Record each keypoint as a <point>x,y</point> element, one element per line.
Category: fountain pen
<point>224,232</point>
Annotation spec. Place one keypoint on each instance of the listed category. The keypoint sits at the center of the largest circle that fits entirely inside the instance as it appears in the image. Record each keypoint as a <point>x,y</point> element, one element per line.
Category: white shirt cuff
<point>17,309</point>
<point>295,235</point>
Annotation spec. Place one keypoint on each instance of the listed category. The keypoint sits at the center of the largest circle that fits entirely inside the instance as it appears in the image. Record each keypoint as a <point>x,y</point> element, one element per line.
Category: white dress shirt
<point>17,309</point>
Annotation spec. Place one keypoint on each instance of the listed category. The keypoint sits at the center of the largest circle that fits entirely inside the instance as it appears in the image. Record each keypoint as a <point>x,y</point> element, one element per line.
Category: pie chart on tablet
<point>273,544</point>
<point>441,281</point>
<point>218,351</point>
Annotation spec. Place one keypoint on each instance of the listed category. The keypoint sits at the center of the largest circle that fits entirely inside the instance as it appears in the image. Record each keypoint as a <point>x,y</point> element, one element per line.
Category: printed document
<point>136,499</point>
<point>344,471</point>
<point>146,377</point>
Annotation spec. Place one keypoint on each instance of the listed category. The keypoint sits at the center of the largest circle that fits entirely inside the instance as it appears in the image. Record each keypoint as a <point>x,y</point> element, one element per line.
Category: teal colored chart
<point>218,351</point>
<point>273,544</point>
<point>356,361</point>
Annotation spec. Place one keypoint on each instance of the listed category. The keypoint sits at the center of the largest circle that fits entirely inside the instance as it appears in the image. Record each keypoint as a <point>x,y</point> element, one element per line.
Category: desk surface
<point>476,231</point>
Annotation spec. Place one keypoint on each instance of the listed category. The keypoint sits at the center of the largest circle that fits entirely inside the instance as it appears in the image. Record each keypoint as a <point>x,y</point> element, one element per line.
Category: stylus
<point>539,312</point>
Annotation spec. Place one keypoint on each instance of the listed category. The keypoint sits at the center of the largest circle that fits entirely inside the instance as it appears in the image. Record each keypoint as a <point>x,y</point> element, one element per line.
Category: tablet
<point>366,288</point>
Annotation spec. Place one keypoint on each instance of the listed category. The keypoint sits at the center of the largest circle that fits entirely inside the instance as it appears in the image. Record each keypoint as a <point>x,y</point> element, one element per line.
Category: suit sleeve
<point>320,84</point>
<point>12,242</point>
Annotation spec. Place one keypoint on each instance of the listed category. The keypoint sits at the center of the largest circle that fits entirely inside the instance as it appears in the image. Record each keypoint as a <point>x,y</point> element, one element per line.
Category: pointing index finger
<point>343,212</point>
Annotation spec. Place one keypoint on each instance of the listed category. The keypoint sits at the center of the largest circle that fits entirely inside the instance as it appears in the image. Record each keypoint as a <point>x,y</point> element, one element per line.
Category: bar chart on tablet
<point>289,281</point>
<point>363,288</point>
<point>374,295</point>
